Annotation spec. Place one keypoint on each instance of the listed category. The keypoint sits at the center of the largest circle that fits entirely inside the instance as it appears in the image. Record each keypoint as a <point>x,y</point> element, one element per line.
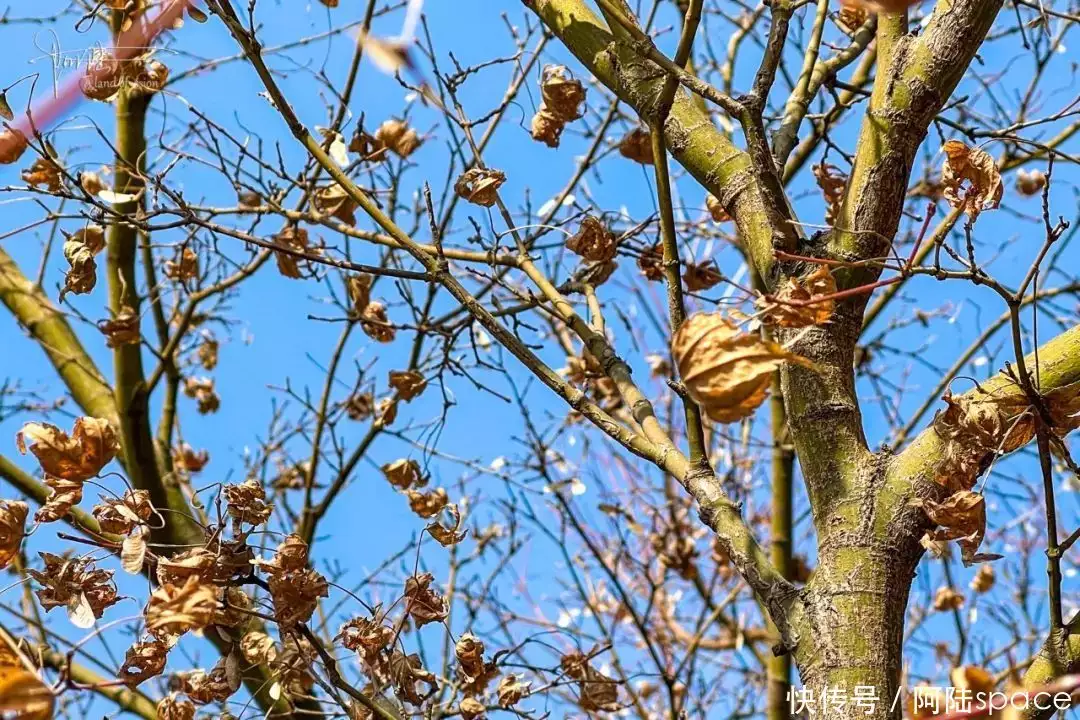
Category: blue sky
<point>275,340</point>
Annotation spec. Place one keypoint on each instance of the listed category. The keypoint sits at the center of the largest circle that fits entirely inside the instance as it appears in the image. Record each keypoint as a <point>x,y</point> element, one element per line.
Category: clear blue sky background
<point>276,341</point>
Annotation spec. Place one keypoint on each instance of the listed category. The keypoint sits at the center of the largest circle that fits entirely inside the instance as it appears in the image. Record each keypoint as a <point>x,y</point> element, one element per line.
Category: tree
<point>665,502</point>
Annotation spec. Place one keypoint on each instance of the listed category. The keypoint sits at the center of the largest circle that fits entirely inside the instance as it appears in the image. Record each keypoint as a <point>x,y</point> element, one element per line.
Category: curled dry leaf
<point>447,535</point>
<point>148,77</point>
<point>218,685</point>
<point>360,406</point>
<point>725,371</point>
<point>469,651</point>
<point>596,274</point>
<point>184,267</point>
<point>562,95</point>
<point>176,609</point>
<point>407,673</point>
<point>79,250</point>
<point>802,301</point>
<point>636,145</point>
<point>593,241</point>
<point>651,262</point>
<point>359,289</point>
<point>13,144</point>
<point>332,200</point>
<point>65,495</point>
<point>403,474</point>
<point>978,169</point>
<point>143,660</point>
<point>976,426</point>
<point>122,515</point>
<point>45,171</point>
<point>428,504</point>
<point>716,210</point>
<point>258,648</point>
<point>122,329</point>
<point>247,502</point>
<point>409,384</point>
<point>424,603</point>
<point>23,695</point>
<point>386,411</point>
<point>90,182</point>
<point>851,17</point>
<point>376,324</point>
<point>196,562</point>
<point>480,186</point>
<point>188,459</point>
<point>207,354</point>
<point>471,709</point>
<point>172,707</point>
<point>1030,183</point>
<point>883,6</point>
<point>12,529</point>
<point>234,606</point>
<point>512,690</point>
<point>702,276</point>
<point>201,389</point>
<point>294,243</point>
<point>597,692</point>
<point>832,183</point>
<point>984,579</point>
<point>947,599</point>
<point>80,456</point>
<point>398,137</point>
<point>962,517</point>
<point>974,680</point>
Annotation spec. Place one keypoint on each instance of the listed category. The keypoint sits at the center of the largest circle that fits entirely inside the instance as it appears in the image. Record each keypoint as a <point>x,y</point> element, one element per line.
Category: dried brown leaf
<point>725,371</point>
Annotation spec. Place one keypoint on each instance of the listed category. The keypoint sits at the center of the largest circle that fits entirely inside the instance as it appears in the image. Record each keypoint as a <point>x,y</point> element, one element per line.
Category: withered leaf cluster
<point>294,587</point>
<point>246,502</point>
<point>76,584</point>
<point>563,98</point>
<point>201,389</point>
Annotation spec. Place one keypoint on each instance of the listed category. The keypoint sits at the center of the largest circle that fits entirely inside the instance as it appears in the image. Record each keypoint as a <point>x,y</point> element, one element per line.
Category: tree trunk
<point>849,655</point>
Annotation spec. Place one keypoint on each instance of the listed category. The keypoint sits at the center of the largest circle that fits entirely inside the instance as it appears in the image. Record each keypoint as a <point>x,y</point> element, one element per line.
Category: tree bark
<point>850,654</point>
